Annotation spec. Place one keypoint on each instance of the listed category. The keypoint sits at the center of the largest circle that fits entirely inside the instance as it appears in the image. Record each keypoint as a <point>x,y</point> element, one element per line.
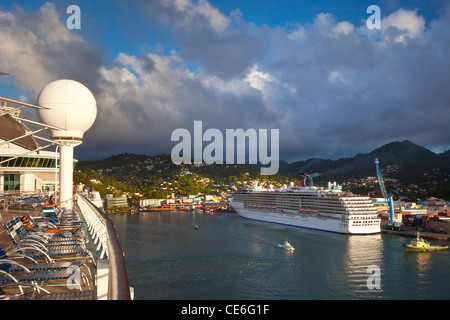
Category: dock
<point>410,231</point>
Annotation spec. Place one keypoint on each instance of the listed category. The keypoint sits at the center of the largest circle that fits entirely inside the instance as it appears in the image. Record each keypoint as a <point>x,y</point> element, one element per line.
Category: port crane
<point>391,224</point>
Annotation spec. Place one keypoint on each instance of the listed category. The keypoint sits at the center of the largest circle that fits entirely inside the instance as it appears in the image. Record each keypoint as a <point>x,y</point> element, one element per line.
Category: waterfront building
<point>151,202</point>
<point>112,201</point>
<point>415,211</point>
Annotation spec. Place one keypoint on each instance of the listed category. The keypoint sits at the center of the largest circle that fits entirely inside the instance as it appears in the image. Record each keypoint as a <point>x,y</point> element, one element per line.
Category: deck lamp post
<point>72,107</point>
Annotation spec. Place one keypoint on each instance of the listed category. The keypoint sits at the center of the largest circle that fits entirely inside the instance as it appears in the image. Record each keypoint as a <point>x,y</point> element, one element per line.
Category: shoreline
<point>423,234</point>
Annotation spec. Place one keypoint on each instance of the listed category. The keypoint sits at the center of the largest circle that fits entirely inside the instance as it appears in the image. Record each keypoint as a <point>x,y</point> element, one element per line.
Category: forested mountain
<point>403,163</point>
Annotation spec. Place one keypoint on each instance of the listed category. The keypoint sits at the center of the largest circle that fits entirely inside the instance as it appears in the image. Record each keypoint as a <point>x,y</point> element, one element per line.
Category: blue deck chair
<point>68,217</point>
<point>53,254</point>
<point>11,271</point>
<point>9,264</point>
<point>34,248</point>
<point>60,217</point>
<point>36,233</point>
<point>50,213</point>
<point>29,276</point>
<point>12,266</point>
<point>40,277</point>
<point>20,235</point>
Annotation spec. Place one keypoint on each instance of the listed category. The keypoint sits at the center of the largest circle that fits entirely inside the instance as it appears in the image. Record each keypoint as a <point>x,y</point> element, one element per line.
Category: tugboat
<point>420,245</point>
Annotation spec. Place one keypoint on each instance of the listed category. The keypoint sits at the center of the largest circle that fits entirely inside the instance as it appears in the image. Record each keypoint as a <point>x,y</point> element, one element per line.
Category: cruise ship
<point>308,206</point>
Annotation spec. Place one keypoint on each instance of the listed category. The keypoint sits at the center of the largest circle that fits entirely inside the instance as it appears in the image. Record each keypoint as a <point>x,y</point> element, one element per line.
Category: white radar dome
<point>71,106</point>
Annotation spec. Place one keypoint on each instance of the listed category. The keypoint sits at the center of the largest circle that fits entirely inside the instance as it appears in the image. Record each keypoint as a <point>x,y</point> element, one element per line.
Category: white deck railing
<point>112,278</point>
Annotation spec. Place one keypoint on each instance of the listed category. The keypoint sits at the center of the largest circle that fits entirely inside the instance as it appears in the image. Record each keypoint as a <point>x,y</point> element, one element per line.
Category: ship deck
<point>98,273</point>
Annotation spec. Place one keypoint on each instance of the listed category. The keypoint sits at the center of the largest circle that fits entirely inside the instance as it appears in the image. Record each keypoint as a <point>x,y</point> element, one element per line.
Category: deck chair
<point>35,248</point>
<point>67,253</point>
<point>60,217</point>
<point>10,263</point>
<point>70,295</point>
<point>14,271</point>
<point>50,213</point>
<point>35,276</point>
<point>28,295</point>
<point>36,232</point>
<point>39,293</point>
<point>20,235</point>
<point>41,277</point>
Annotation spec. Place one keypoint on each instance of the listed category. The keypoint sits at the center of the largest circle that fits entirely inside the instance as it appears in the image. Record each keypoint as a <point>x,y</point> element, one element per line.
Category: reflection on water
<point>423,263</point>
<point>228,257</point>
<point>362,255</point>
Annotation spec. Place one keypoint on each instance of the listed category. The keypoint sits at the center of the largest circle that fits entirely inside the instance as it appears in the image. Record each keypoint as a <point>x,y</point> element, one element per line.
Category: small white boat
<point>286,245</point>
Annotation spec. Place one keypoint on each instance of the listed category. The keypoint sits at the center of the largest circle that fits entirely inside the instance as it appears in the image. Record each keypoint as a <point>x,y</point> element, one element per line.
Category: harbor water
<point>221,256</point>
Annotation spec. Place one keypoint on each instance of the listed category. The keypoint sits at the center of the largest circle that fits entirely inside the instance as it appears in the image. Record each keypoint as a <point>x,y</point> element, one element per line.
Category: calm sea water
<point>231,258</point>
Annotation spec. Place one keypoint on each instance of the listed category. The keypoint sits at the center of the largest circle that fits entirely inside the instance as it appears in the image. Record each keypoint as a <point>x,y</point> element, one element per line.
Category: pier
<point>430,229</point>
<point>410,231</point>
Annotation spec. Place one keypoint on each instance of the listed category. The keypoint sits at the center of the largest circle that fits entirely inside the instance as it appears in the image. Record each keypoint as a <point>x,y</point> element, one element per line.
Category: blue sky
<point>311,69</point>
<point>117,26</point>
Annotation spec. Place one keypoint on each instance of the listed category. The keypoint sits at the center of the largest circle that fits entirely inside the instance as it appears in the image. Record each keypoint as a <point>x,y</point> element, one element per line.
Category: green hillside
<point>408,169</point>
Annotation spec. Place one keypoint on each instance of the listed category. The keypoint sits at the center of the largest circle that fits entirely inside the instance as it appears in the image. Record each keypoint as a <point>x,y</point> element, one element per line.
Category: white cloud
<point>217,20</point>
<point>259,79</point>
<point>299,34</point>
<point>405,20</point>
<point>334,76</point>
<point>407,24</point>
<point>189,12</point>
<point>344,28</point>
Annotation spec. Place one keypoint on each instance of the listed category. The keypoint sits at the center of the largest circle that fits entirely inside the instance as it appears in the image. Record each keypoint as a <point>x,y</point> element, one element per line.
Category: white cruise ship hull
<point>340,225</point>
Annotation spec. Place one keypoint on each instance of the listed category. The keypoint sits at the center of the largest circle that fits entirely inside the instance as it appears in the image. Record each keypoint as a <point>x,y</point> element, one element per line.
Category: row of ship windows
<point>322,210</point>
<point>325,209</point>
<point>26,162</point>
<point>362,218</point>
<point>364,223</point>
<point>295,196</point>
<point>309,202</point>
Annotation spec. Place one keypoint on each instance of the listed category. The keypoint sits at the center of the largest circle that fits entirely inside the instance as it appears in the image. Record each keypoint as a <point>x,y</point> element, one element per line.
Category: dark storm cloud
<point>356,90</point>
<point>205,36</point>
<point>332,88</point>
